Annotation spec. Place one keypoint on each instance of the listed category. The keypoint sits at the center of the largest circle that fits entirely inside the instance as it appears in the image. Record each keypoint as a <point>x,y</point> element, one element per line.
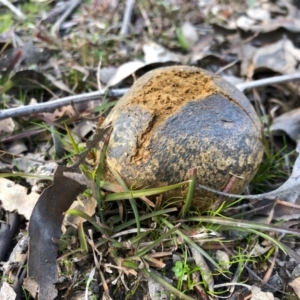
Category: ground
<point>94,236</point>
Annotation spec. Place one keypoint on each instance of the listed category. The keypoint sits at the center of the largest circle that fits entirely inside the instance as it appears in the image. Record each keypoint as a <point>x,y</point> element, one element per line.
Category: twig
<point>273,195</point>
<point>266,81</point>
<point>127,17</point>
<point>52,105</point>
<point>72,5</point>
<point>15,10</point>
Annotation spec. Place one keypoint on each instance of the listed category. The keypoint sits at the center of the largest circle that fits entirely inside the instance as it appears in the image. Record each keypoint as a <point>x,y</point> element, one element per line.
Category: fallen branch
<point>266,81</point>
<point>127,17</point>
<point>71,5</point>
<point>52,105</point>
<point>15,10</point>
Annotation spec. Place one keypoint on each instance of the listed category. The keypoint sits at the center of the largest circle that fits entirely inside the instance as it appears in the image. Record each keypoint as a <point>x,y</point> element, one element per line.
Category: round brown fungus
<point>180,117</point>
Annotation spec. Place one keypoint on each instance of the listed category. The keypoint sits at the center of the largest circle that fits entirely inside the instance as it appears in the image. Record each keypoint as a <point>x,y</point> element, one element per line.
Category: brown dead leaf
<point>280,210</point>
<point>45,225</point>
<point>31,286</point>
<point>246,54</point>
<point>157,291</point>
<point>9,59</point>
<point>281,57</point>
<point>289,191</point>
<point>59,84</point>
<point>259,13</point>
<point>155,53</point>
<point>257,294</point>
<point>288,123</point>
<point>290,24</point>
<point>87,205</point>
<point>123,72</point>
<point>14,197</point>
<point>295,284</point>
<point>67,110</point>
<point>7,126</point>
<point>83,128</point>
<point>7,292</point>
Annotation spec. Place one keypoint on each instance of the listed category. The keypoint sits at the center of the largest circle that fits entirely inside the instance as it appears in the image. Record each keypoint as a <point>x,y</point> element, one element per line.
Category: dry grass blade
<point>99,173</point>
<point>244,224</point>
<point>191,243</point>
<point>145,192</point>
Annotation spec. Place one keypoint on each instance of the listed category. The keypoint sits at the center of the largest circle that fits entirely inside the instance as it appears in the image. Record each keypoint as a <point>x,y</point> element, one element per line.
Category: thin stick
<point>71,6</point>
<point>52,105</point>
<point>15,10</point>
<point>266,81</point>
<point>127,17</point>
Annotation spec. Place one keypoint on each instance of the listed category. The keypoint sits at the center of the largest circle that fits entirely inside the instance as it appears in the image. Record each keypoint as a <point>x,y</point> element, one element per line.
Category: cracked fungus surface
<point>176,118</point>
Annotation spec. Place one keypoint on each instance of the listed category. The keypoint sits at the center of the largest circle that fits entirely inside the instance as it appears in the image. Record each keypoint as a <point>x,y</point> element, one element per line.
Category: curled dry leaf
<point>7,292</point>
<point>15,197</point>
<point>289,123</point>
<point>281,57</point>
<point>289,191</point>
<point>123,72</point>
<point>16,258</point>
<point>155,53</point>
<point>157,291</point>
<point>281,211</point>
<point>223,259</point>
<point>31,286</point>
<point>295,284</point>
<point>259,13</point>
<point>206,272</point>
<point>257,294</point>
<point>7,126</point>
<point>87,205</point>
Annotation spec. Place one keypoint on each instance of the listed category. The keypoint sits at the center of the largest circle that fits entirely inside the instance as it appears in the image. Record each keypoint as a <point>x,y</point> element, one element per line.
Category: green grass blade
<point>145,192</point>
<point>154,275</point>
<point>82,239</point>
<point>190,193</point>
<point>105,106</point>
<point>144,217</point>
<point>244,224</point>
<point>131,199</point>
<point>156,242</point>
<point>74,144</point>
<point>83,215</point>
<point>193,244</point>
